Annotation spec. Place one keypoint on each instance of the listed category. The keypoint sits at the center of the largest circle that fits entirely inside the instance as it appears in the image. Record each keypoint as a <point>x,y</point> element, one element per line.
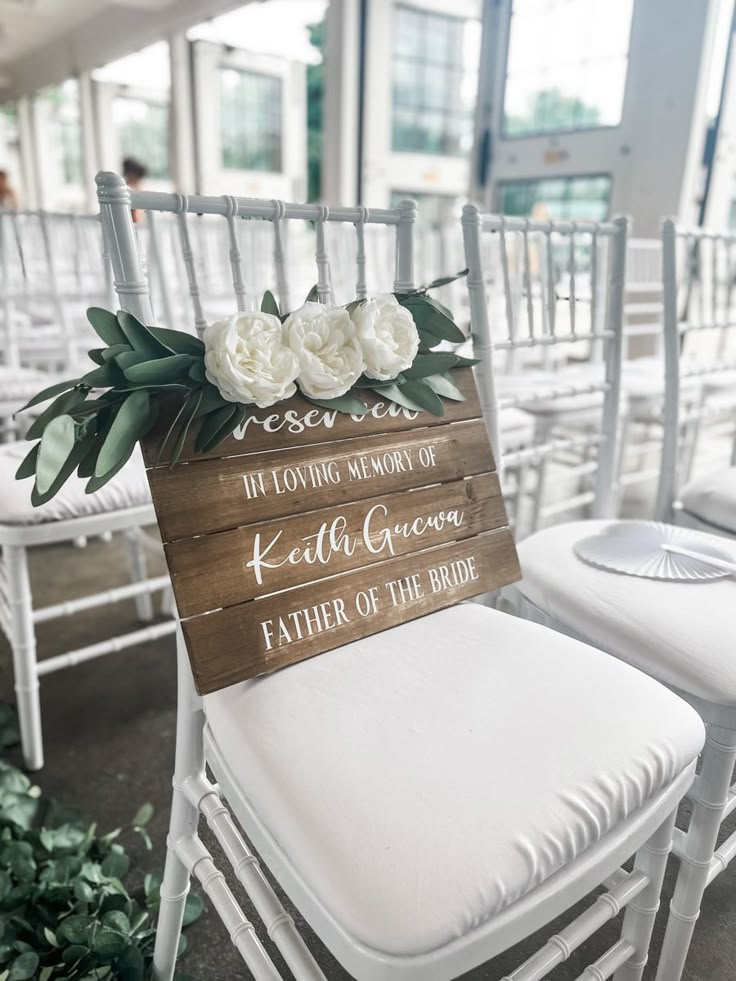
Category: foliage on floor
<point>65,910</point>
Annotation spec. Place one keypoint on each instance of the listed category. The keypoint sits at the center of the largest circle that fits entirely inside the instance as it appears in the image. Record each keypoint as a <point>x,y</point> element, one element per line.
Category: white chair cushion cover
<point>712,498</point>
<point>423,779</point>
<point>677,632</point>
<point>129,488</point>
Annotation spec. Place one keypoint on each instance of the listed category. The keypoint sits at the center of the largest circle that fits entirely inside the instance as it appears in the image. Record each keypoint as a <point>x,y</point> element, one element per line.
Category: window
<point>566,67</point>
<point>65,136</point>
<point>556,197</point>
<point>435,69</point>
<point>250,120</point>
<point>143,132</point>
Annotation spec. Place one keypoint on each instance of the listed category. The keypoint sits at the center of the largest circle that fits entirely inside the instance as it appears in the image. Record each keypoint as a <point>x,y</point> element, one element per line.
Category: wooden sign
<point>311,529</point>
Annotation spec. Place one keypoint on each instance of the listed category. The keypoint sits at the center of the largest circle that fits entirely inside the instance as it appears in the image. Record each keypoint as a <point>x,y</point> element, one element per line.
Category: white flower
<point>324,340</point>
<point>388,336</point>
<point>248,359</point>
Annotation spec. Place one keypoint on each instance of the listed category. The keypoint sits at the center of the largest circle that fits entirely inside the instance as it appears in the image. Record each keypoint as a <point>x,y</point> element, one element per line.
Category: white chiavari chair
<point>56,269</point>
<point>676,632</point>
<point>698,475</point>
<point>554,352</point>
<point>376,725</point>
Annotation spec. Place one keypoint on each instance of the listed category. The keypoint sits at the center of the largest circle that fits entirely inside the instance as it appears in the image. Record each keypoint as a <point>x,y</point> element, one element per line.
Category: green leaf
<point>108,944</point>
<point>446,280</point>
<point>197,372</point>
<point>213,424</point>
<point>63,405</point>
<point>430,364</point>
<point>193,908</point>
<point>140,338</point>
<point>143,815</point>
<point>269,304</point>
<point>106,324</point>
<point>466,362</point>
<point>444,385</point>
<point>170,430</point>
<point>126,359</point>
<point>115,865</point>
<point>28,466</point>
<point>130,965</point>
<point>348,404</point>
<point>211,401</point>
<point>312,295</point>
<point>75,457</point>
<point>24,967</point>
<point>75,928</point>
<point>50,392</point>
<point>104,377</point>
<point>186,420</point>
<point>130,424</point>
<point>354,304</point>
<point>159,371</point>
<point>430,317</point>
<point>110,353</point>
<point>57,443</point>
<point>179,341</point>
<point>423,395</point>
<point>97,355</point>
<point>241,411</point>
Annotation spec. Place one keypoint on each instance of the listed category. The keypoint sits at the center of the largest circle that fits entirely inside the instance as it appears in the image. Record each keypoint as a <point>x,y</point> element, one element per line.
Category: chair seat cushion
<point>712,498</point>
<point>677,632</point>
<point>516,428</point>
<point>423,779</point>
<point>127,489</point>
<point>552,393</point>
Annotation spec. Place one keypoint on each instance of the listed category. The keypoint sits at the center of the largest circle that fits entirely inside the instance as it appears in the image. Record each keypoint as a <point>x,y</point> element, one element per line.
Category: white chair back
<point>699,280</point>
<point>196,251</point>
<point>563,288</point>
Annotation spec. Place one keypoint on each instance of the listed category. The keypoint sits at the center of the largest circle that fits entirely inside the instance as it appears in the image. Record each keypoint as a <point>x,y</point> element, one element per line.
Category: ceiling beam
<point>110,33</point>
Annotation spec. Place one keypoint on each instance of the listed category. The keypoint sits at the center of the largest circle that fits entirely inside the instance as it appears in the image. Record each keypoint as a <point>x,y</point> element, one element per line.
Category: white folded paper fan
<point>634,548</point>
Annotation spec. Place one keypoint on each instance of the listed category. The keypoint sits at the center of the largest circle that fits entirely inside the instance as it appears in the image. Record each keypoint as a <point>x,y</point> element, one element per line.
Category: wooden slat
<point>213,495</point>
<point>300,423</point>
<point>230,567</point>
<point>262,635</point>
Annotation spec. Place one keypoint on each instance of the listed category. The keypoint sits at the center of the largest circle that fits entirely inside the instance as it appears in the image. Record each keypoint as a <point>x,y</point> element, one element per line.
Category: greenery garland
<point>94,422</point>
<point>65,911</point>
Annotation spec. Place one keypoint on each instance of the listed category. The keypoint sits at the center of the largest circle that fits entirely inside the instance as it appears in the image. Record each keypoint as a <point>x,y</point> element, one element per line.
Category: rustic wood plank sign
<point>316,529</point>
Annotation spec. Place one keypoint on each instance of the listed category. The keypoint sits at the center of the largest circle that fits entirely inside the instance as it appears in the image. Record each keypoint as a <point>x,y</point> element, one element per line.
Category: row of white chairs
<point>589,450</point>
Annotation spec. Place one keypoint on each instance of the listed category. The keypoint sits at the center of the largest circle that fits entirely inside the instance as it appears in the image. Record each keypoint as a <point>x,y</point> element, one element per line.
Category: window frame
<point>279,81</point>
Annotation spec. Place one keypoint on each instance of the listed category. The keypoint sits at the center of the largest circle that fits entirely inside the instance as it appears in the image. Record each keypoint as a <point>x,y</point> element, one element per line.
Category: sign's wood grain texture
<point>212,495</point>
<point>317,529</point>
<point>231,567</point>
<point>274,631</point>
<point>301,423</point>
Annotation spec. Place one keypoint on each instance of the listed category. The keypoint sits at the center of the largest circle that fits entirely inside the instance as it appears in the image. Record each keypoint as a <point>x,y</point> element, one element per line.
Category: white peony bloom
<point>388,336</point>
<point>248,359</point>
<point>325,342</point>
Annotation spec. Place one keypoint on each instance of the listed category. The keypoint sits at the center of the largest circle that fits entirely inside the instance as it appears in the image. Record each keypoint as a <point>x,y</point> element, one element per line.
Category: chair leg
<point>23,645</point>
<point>174,890</point>
<point>639,917</point>
<point>138,573</point>
<point>709,796</point>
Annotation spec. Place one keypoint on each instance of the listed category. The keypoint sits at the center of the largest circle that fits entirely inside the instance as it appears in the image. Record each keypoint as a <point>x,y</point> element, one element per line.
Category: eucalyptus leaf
<point>106,325</point>
<point>312,295</point>
<point>186,420</point>
<point>466,362</point>
<point>63,405</point>
<point>197,372</point>
<point>213,424</point>
<point>160,371</point>
<point>444,385</point>
<point>423,395</point>
<point>237,419</point>
<point>97,355</point>
<point>446,280</point>
<point>77,454</point>
<point>193,908</point>
<point>430,364</point>
<point>24,967</point>
<point>110,353</point>
<point>348,404</point>
<point>178,342</point>
<point>126,359</point>
<point>211,400</point>
<point>269,304</point>
<point>57,443</point>
<point>170,430</point>
<point>28,466</point>
<point>430,317</point>
<point>49,393</point>
<point>103,377</point>
<point>143,815</point>
<point>95,483</point>
<point>141,338</point>
<point>131,422</point>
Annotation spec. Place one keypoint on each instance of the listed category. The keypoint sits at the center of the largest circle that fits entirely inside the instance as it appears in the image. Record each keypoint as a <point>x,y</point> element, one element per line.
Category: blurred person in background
<point>8,197</point>
<point>134,173</point>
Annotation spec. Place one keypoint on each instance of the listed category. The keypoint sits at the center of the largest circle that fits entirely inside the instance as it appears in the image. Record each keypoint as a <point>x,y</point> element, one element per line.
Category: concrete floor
<point>109,737</point>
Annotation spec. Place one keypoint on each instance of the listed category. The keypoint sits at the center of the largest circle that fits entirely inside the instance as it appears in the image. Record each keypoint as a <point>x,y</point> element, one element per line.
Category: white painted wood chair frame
<point>593,449</point>
<point>713,793</point>
<point>196,797</point>
<point>683,424</point>
<point>18,616</point>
